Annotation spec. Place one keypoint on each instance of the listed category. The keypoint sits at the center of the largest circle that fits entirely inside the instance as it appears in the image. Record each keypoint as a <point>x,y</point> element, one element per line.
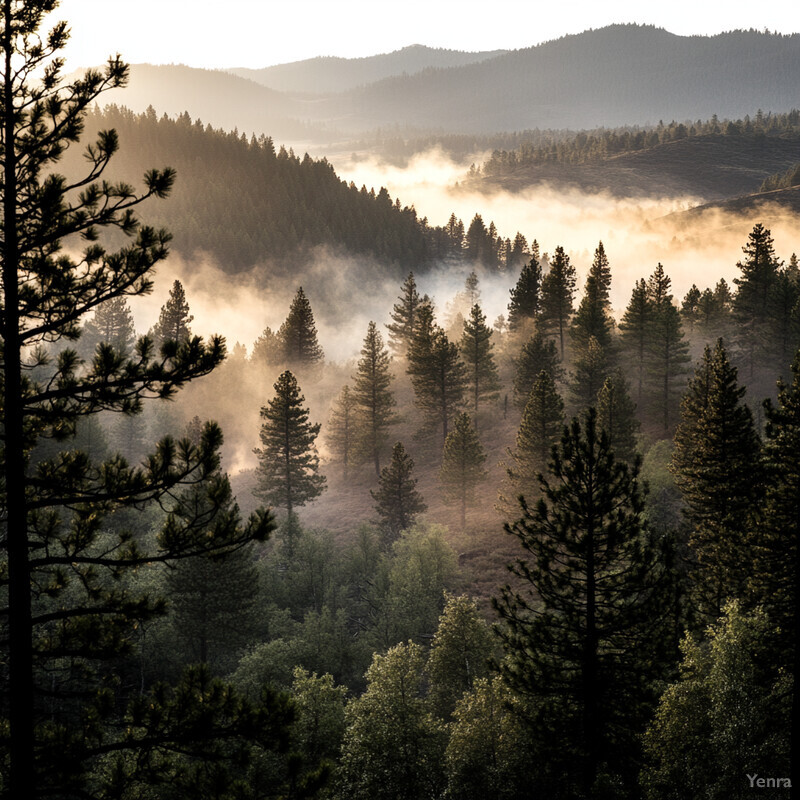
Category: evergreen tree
<point>268,350</point>
<point>71,606</point>
<point>298,336</point>
<point>558,289</point>
<point>437,374</point>
<point>476,350</point>
<point>288,464</point>
<point>404,314</point>
<point>472,290</point>
<point>540,428</point>
<point>690,307</point>
<point>462,465</point>
<point>784,338</point>
<point>592,319</point>
<point>634,328</point>
<point>581,637</point>
<point>397,500</point>
<point>616,415</point>
<point>600,273</point>
<point>715,462</point>
<point>373,399</point>
<point>537,354</point>
<point>667,350</point>
<point>591,370</point>
<point>112,324</point>
<point>173,321</point>
<point>342,433</point>
<point>526,296</point>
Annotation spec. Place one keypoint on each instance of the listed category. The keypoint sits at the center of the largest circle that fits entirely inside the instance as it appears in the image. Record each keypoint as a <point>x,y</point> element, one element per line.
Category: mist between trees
<point>582,457</point>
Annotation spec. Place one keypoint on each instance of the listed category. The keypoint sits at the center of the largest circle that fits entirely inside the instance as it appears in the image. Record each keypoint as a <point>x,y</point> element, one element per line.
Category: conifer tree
<point>404,317</point>
<point>616,415</point>
<point>526,297</point>
<point>173,321</point>
<point>715,462</point>
<point>397,500</point>
<point>111,324</point>
<point>462,465</point>
<point>373,399</point>
<point>558,289</point>
<point>298,336</point>
<point>591,370</point>
<point>540,428</point>
<point>592,319</point>
<point>581,638</point>
<point>600,272</point>
<point>268,350</point>
<point>690,307</point>
<point>437,374</point>
<point>70,609</point>
<point>342,432</point>
<point>537,354</point>
<point>667,350</point>
<point>476,350</point>
<point>634,328</point>
<point>288,464</point>
<point>471,289</point>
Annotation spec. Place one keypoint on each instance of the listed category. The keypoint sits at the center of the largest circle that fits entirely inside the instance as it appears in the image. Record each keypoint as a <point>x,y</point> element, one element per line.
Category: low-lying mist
<point>346,294</point>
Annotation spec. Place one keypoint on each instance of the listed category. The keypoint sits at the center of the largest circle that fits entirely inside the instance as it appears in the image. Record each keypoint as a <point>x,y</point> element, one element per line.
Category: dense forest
<point>550,555</point>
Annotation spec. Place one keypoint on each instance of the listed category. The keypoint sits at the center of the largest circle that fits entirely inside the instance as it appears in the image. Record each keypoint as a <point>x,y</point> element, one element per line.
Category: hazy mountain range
<point>618,75</point>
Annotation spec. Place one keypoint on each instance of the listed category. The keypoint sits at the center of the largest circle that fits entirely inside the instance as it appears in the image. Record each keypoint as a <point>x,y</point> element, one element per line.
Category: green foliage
<point>319,724</point>
<point>725,718</point>
<point>298,337</point>
<point>372,397</point>
<point>342,431</point>
<point>459,653</point>
<point>462,465</point>
<point>558,289</point>
<point>616,415</point>
<point>591,371</point>
<point>592,318</point>
<point>394,747</point>
<point>112,324</point>
<point>715,461</point>
<point>397,501</point>
<point>476,348</point>
<point>404,313</point>
<point>526,296</point>
<point>288,462</point>
<point>634,328</point>
<point>537,354</point>
<point>583,624</point>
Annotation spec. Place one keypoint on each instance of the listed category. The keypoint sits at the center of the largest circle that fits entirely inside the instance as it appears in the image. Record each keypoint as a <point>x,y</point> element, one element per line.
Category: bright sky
<point>259,33</point>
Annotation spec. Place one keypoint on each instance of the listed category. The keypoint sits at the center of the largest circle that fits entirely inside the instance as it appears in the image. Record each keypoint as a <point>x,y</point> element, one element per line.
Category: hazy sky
<point>257,33</point>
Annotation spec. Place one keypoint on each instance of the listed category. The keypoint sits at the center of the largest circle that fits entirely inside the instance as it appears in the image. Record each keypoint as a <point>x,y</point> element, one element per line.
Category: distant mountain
<point>330,74</point>
<point>619,75</point>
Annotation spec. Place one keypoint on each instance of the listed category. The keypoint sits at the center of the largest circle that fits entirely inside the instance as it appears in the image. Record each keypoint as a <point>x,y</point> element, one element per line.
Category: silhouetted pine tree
<point>462,465</point>
<point>404,317</point>
<point>715,462</point>
<point>616,415</point>
<point>558,289</point>
<point>288,464</point>
<point>476,350</point>
<point>268,350</point>
<point>397,501</point>
<point>173,321</point>
<point>298,336</point>
<point>342,431</point>
<point>690,307</point>
<point>592,319</point>
<point>112,323</point>
<point>600,272</point>
<point>374,400</point>
<point>591,370</point>
<point>634,328</point>
<point>537,354</point>
<point>583,631</point>
<point>526,297</point>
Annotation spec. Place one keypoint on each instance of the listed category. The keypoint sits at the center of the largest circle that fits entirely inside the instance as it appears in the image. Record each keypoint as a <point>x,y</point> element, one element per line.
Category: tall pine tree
<point>616,415</point>
<point>526,297</point>
<point>173,321</point>
<point>476,350</point>
<point>404,317</point>
<point>537,354</point>
<point>462,465</point>
<point>342,431</point>
<point>298,336</point>
<point>397,501</point>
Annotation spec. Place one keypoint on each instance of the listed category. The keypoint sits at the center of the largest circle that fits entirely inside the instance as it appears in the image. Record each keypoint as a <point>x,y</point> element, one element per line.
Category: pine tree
<point>537,354</point>
<point>690,307</point>
<point>404,317</point>
<point>616,415</point>
<point>558,289</point>
<point>600,272</point>
<point>581,633</point>
<point>462,465</point>
<point>715,462</point>
<point>268,350</point>
<point>634,328</point>
<point>667,350</point>
<point>373,399</point>
<point>288,464</point>
<point>592,318</point>
<point>526,297</point>
<point>71,606</point>
<point>476,350</point>
<point>298,336</point>
<point>112,324</point>
<point>342,432</point>
<point>540,428</point>
<point>437,374</point>
<point>173,321</point>
<point>397,500</point>
<point>472,290</point>
<point>591,370</point>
